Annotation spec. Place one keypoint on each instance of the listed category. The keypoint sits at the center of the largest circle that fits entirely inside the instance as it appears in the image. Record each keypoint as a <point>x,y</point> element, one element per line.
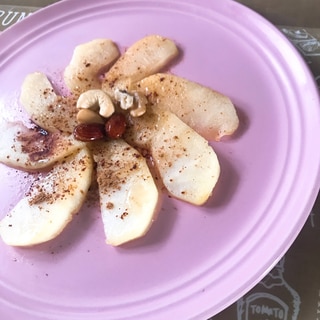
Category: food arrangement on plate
<point>126,125</point>
<point>196,259</point>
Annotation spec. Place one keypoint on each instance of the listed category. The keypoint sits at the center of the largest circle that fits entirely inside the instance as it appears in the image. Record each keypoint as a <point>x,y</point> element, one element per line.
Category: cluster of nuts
<point>97,117</point>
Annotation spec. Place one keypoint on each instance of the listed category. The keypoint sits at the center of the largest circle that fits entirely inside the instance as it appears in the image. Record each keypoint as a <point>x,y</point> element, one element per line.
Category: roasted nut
<point>89,116</point>
<point>89,132</point>
<point>140,107</point>
<point>125,99</point>
<point>135,102</point>
<point>96,100</point>
<point>116,126</point>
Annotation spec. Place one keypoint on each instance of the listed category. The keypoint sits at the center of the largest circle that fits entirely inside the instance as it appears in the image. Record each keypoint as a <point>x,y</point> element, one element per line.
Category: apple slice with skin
<point>208,112</point>
<point>50,203</point>
<point>32,149</point>
<point>128,195</point>
<point>45,108</point>
<point>187,164</point>
<point>145,57</point>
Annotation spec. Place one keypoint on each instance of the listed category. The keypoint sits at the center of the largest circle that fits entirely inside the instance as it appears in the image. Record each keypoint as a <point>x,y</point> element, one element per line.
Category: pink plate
<point>194,262</point>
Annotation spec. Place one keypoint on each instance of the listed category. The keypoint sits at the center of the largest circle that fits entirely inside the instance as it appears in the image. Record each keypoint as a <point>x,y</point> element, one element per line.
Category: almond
<point>89,132</point>
<point>116,126</point>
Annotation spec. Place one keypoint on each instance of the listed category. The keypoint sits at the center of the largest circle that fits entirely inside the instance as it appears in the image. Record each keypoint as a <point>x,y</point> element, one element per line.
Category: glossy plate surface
<point>194,261</point>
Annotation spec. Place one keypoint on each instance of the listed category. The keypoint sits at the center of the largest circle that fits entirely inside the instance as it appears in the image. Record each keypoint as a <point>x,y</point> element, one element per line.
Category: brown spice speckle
<point>124,214</point>
<point>110,205</point>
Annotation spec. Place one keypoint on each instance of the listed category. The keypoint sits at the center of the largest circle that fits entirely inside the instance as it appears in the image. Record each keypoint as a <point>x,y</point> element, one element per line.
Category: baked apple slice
<point>50,203</point>
<point>187,164</point>
<point>45,108</point>
<point>32,149</point>
<point>208,112</point>
<point>128,195</point>
<point>88,60</point>
<point>145,57</point>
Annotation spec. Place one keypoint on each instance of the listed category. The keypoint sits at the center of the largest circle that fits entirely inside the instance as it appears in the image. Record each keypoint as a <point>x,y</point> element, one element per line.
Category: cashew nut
<point>96,100</point>
<point>89,116</point>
